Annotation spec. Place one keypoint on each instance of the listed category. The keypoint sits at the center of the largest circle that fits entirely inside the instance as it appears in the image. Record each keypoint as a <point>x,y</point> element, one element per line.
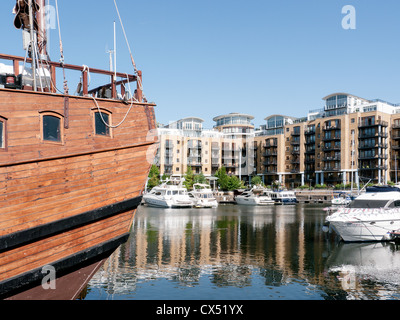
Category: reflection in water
<point>240,252</point>
<point>358,264</point>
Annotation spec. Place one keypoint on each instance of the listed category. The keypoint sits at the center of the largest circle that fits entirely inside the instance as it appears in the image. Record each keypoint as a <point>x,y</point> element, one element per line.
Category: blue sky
<point>211,57</point>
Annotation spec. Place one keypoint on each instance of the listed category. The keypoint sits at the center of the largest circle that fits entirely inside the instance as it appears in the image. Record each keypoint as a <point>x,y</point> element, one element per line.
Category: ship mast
<point>37,36</point>
<point>32,34</point>
<point>41,32</point>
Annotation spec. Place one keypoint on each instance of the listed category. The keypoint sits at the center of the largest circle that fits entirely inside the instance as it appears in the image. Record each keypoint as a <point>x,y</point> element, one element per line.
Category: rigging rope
<point>61,50</point>
<point>129,48</point>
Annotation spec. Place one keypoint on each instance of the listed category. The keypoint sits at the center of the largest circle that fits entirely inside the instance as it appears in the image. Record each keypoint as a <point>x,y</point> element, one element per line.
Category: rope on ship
<point>137,79</point>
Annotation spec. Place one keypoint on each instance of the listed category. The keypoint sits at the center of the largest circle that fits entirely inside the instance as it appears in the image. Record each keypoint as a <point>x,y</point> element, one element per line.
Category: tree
<point>200,178</point>
<point>234,183</point>
<point>189,178</point>
<point>154,175</point>
<point>223,178</point>
<point>256,180</point>
<point>227,183</point>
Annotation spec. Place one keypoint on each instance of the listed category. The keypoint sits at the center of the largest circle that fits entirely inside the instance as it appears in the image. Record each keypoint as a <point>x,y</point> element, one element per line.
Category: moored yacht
<point>202,196</point>
<point>372,216</point>
<point>342,199</point>
<point>284,197</point>
<point>170,194</point>
<point>257,196</point>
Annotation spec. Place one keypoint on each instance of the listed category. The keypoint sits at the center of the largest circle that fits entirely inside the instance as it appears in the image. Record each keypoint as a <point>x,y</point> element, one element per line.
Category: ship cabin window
<point>51,127</point>
<point>3,126</point>
<point>1,135</point>
<point>102,123</point>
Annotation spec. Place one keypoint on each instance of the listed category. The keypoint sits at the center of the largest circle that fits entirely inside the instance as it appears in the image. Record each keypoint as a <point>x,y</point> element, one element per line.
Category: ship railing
<point>109,90</point>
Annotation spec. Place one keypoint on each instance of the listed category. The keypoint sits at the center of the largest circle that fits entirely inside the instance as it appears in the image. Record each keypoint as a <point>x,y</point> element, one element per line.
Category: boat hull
<point>65,204</point>
<point>356,225</point>
<point>206,204</point>
<point>166,203</point>
<point>358,231</point>
<point>285,201</point>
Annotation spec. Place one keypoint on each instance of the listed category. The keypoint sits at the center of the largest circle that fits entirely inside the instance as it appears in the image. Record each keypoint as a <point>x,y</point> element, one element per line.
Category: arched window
<point>51,127</point>
<point>102,121</point>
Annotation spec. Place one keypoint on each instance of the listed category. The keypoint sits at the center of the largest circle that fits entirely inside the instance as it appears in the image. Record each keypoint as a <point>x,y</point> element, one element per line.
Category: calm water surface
<point>239,252</point>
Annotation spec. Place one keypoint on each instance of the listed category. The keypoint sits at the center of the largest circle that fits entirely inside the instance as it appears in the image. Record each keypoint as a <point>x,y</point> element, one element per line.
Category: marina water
<point>244,252</point>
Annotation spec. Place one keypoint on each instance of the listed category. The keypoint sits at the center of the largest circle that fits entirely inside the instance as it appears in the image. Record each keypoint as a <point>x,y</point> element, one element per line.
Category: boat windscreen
<point>368,203</point>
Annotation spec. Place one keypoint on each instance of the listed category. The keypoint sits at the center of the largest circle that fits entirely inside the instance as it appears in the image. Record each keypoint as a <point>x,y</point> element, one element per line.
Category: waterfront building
<point>350,139</point>
<point>186,143</point>
<point>238,150</point>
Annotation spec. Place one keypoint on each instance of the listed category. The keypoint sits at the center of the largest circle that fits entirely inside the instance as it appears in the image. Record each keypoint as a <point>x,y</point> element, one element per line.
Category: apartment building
<point>350,139</point>
<point>229,144</point>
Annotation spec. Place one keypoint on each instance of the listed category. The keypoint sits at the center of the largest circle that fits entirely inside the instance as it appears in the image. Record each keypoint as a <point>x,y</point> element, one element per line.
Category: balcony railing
<point>378,122</point>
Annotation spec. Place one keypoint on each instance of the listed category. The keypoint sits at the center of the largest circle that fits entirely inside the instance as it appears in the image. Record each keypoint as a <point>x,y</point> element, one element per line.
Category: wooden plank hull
<point>64,204</point>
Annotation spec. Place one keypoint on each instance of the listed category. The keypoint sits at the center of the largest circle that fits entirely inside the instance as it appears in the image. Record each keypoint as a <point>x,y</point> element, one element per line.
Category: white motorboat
<point>342,199</point>
<point>170,194</point>
<point>284,197</point>
<point>202,196</point>
<point>372,216</point>
<point>255,197</point>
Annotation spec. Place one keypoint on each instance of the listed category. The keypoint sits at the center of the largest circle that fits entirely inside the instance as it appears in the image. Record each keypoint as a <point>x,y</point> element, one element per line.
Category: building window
<point>102,122</point>
<point>51,126</point>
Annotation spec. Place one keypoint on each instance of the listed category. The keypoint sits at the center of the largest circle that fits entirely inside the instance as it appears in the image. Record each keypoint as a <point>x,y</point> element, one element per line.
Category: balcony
<point>309,142</point>
<point>327,128</point>
<point>366,124</point>
<point>270,162</point>
<point>331,169</point>
<point>334,158</point>
<point>270,172</point>
<point>337,138</point>
<point>331,148</point>
<point>271,142</point>
<point>230,165</point>
<point>372,157</point>
<point>309,131</point>
<point>365,135</point>
<point>194,144</point>
<point>375,167</point>
<point>396,136</point>
<point>269,153</point>
<point>372,145</point>
<point>194,163</point>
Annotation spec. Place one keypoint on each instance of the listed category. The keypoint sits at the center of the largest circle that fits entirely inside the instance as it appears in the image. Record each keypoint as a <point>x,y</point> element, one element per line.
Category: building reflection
<point>229,246</point>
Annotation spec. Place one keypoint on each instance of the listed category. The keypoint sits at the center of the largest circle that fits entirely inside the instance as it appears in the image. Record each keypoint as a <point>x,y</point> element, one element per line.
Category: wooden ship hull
<point>68,201</point>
